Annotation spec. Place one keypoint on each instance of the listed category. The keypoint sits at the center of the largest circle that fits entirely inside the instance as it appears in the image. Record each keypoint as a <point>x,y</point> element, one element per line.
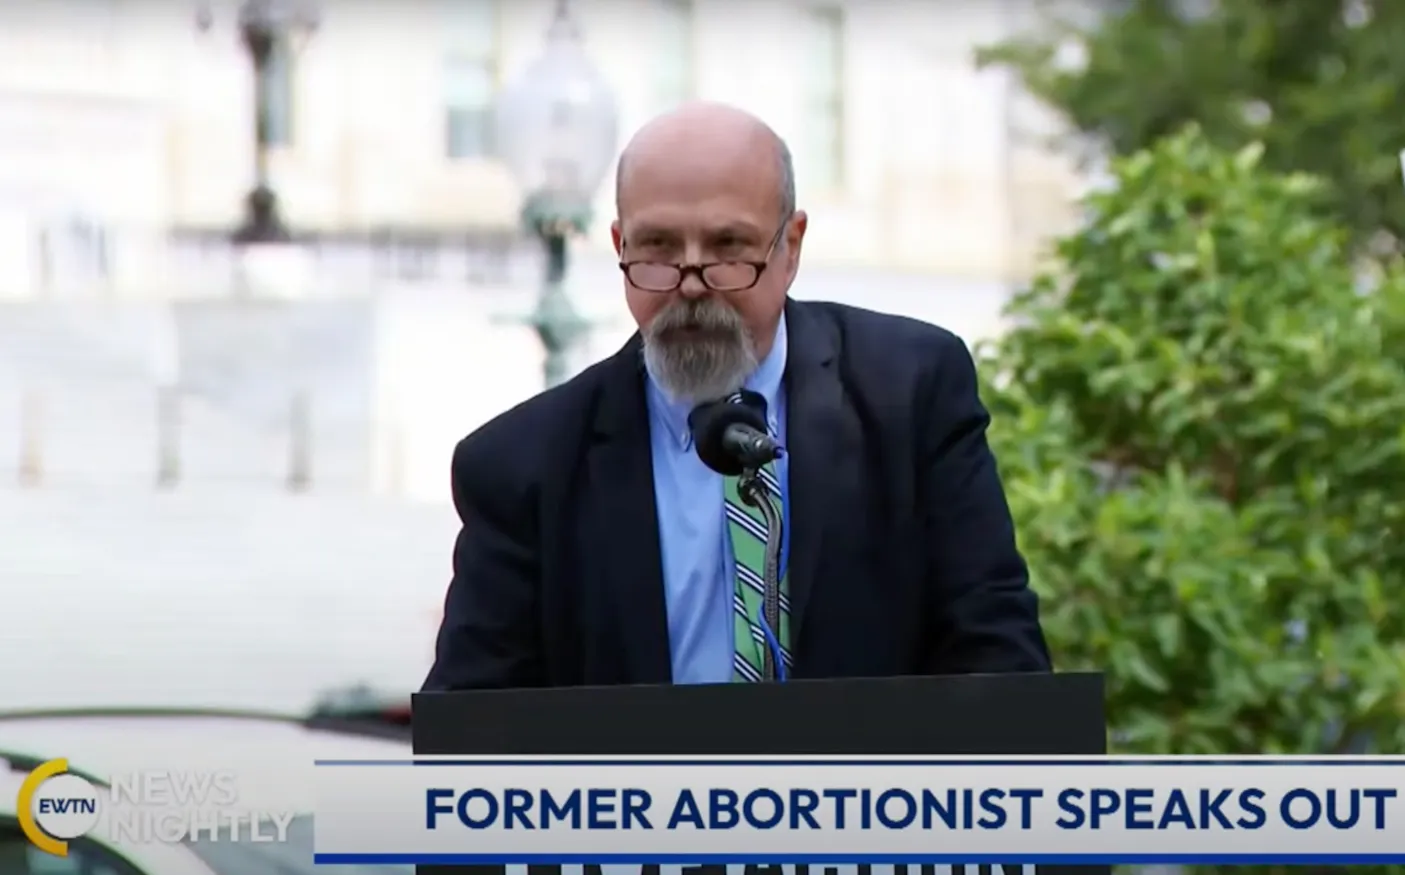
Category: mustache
<point>706,314</point>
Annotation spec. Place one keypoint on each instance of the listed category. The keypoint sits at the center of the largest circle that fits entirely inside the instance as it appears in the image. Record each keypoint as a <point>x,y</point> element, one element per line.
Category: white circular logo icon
<point>65,806</point>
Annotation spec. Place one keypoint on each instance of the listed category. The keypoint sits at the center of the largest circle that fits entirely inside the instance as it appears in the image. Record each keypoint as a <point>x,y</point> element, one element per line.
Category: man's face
<point>710,262</point>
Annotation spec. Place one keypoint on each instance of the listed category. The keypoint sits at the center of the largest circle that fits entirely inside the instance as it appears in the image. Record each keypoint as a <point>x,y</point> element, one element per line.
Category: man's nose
<point>692,285</point>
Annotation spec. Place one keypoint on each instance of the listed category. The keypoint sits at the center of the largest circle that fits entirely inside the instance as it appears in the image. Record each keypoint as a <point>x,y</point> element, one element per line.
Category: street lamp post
<point>263,24</point>
<point>556,129</point>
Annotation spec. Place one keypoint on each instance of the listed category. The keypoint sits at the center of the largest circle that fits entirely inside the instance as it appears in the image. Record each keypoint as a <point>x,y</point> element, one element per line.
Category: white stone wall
<point>121,111</point>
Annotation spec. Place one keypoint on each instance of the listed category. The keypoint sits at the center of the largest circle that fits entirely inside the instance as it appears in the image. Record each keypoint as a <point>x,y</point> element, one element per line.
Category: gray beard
<point>704,367</point>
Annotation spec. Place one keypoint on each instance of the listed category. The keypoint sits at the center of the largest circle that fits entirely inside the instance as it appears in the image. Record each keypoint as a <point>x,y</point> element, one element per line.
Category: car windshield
<point>293,857</point>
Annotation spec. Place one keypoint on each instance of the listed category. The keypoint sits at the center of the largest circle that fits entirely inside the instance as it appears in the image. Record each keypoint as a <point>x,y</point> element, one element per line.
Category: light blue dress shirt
<point>698,570</point>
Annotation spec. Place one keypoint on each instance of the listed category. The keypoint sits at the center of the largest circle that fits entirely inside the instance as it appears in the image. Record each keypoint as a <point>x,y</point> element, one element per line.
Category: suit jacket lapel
<point>816,440</point>
<point>622,519</point>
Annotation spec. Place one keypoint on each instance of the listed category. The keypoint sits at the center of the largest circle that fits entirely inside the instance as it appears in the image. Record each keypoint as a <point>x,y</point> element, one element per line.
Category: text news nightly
<point>903,809</point>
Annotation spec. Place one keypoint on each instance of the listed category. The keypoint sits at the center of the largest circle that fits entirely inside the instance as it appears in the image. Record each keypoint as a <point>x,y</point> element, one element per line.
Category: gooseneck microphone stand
<point>754,492</point>
<point>731,438</point>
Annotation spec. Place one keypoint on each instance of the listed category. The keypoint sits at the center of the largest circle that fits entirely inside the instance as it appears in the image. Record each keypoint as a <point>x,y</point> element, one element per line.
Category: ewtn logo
<point>55,806</point>
<point>156,806</point>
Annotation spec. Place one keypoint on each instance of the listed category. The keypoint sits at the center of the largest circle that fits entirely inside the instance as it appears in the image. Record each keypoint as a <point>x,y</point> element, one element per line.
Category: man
<point>597,549</point>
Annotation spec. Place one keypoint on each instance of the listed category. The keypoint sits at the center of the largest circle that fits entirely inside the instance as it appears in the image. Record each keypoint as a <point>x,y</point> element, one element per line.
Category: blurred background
<point>223,459</point>
<point>263,263</point>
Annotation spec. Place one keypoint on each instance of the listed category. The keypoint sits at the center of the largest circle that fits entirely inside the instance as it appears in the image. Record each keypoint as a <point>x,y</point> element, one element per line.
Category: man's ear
<point>616,237</point>
<point>794,240</point>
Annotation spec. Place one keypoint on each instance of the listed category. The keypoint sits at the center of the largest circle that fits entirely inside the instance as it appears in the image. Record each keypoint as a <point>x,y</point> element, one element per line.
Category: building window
<point>823,76</point>
<point>470,77</point>
<point>278,95</point>
<point>90,247</point>
<point>74,253</point>
<point>676,53</point>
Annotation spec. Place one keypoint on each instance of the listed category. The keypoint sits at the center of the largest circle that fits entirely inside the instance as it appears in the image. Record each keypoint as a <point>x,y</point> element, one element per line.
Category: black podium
<point>1037,714</point>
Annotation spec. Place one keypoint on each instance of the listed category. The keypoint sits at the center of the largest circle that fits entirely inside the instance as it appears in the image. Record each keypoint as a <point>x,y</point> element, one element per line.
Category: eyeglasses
<point>717,276</point>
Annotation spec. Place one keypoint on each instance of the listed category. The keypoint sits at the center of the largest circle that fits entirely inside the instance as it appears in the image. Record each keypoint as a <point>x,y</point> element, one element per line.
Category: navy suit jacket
<point>902,554</point>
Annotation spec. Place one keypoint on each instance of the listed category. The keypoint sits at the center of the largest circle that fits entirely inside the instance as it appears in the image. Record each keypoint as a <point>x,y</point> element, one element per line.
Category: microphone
<point>730,436</point>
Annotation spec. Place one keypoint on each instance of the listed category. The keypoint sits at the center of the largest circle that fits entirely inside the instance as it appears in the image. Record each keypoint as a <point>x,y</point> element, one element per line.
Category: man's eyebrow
<point>738,229</point>
<point>650,230</point>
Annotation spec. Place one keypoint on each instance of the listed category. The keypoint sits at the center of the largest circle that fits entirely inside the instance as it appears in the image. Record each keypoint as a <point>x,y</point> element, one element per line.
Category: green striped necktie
<point>747,527</point>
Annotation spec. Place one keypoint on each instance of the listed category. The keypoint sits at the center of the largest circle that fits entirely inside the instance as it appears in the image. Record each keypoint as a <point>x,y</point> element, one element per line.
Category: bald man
<point>597,548</point>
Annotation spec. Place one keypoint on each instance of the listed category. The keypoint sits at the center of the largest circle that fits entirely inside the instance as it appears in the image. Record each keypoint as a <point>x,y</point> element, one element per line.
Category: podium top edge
<point>808,683</point>
<point>1029,714</point>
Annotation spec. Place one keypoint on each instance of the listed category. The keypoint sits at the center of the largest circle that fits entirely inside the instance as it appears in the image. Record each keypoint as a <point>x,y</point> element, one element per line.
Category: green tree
<point>1201,434</point>
<point>1318,83</point>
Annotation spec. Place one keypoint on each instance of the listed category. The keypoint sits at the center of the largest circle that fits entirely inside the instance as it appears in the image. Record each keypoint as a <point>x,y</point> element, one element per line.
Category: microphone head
<point>709,422</point>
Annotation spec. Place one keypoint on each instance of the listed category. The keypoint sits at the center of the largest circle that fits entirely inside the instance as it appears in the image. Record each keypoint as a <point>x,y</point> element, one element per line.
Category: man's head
<point>710,238</point>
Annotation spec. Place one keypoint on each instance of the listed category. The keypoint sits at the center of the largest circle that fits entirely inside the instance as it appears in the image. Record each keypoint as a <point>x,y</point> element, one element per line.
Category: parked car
<point>272,757</point>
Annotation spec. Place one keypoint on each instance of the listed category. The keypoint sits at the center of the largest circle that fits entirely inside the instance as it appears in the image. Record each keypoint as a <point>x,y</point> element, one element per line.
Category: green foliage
<point>1319,87</point>
<point>1203,441</point>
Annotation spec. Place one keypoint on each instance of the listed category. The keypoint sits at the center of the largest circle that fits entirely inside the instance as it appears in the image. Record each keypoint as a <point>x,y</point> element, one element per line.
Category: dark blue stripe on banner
<point>847,860</point>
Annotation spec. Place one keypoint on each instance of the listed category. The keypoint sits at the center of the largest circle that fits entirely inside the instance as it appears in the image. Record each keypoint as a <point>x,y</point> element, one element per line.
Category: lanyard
<point>785,525</point>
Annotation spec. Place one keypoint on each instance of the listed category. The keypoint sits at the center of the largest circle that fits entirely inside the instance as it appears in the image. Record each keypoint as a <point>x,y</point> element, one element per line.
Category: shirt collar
<point>765,381</point>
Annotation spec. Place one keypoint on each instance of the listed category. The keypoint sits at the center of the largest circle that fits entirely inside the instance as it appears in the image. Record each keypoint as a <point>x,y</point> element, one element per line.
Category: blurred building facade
<point>257,489</point>
<point>127,146</point>
<point>126,131</point>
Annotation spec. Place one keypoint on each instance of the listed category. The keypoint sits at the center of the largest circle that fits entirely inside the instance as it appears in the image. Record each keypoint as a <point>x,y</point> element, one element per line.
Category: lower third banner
<point>1006,813</point>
